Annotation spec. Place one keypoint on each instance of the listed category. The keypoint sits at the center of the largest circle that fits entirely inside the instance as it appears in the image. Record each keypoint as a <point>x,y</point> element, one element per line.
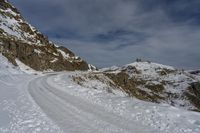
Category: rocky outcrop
<point>132,87</point>
<point>193,94</point>
<point>41,58</point>
<point>195,72</point>
<point>20,41</point>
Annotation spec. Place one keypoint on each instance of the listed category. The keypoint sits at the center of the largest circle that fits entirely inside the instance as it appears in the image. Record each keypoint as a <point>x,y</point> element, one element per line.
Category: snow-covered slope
<point>152,82</point>
<point>12,24</point>
<point>19,40</point>
<point>18,112</point>
<point>158,83</point>
<point>6,68</point>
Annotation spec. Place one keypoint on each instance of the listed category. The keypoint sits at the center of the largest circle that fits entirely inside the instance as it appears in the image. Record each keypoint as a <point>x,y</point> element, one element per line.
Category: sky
<point>117,32</point>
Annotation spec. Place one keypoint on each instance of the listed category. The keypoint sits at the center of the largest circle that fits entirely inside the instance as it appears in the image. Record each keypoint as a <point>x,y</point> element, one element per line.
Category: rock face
<point>20,41</point>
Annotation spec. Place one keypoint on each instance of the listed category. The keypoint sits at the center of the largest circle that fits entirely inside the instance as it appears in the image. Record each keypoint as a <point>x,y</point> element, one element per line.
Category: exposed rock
<point>39,57</point>
<point>195,72</point>
<point>132,87</point>
<point>193,94</point>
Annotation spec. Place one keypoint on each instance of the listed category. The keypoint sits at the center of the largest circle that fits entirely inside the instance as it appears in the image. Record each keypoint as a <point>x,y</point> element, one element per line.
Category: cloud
<point>116,32</point>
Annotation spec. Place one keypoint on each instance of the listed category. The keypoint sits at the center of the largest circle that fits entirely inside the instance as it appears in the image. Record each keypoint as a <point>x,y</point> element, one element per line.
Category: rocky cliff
<point>20,41</point>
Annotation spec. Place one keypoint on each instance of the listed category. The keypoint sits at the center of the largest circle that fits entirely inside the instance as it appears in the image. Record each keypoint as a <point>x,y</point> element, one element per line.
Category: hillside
<point>19,40</point>
<point>150,82</point>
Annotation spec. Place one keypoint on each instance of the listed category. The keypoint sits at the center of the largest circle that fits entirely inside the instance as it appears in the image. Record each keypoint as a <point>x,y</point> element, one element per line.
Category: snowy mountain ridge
<point>21,41</point>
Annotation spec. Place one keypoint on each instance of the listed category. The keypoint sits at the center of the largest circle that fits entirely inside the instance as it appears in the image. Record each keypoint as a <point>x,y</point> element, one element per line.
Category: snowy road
<point>53,103</point>
<point>18,111</point>
<point>74,114</point>
<point>78,109</point>
<point>64,105</point>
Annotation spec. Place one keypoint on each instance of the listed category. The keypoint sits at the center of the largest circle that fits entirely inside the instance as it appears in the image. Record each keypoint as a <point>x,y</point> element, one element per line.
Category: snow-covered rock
<point>152,82</point>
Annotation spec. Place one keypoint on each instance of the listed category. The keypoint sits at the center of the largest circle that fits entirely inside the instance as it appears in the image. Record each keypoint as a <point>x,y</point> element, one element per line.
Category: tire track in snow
<point>74,114</point>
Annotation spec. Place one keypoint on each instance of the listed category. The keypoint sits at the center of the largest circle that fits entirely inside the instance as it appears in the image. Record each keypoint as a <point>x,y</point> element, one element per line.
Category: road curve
<point>76,115</point>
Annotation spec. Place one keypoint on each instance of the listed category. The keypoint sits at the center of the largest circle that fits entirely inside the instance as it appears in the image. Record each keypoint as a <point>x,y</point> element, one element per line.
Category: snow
<point>18,111</point>
<point>26,68</point>
<point>37,51</point>
<point>6,1</point>
<point>146,68</point>
<point>91,67</point>
<point>8,10</point>
<point>54,60</point>
<point>12,27</point>
<point>15,27</point>
<point>66,56</point>
<point>162,117</point>
<point>53,103</point>
<point>147,65</point>
<point>113,68</point>
<point>149,69</point>
<point>76,57</point>
<point>7,68</point>
<point>55,54</point>
<point>174,81</point>
<point>77,114</point>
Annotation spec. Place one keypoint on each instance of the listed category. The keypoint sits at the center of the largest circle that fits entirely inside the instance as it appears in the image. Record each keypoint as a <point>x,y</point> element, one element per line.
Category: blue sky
<point>116,32</point>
